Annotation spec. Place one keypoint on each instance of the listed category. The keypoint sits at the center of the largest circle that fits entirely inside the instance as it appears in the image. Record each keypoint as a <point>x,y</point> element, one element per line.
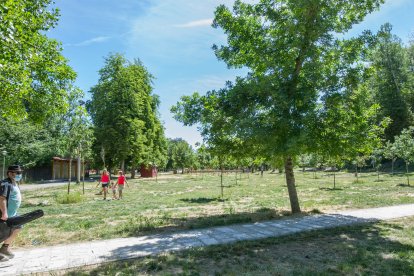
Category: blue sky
<point>173,38</point>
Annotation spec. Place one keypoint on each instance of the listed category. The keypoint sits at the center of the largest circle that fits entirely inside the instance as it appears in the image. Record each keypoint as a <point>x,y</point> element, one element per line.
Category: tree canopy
<point>34,75</point>
<point>125,114</point>
<point>298,62</point>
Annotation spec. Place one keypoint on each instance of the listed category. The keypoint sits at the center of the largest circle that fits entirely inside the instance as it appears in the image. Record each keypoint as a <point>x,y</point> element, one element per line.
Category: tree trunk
<point>123,165</point>
<point>78,169</point>
<point>408,177</point>
<point>334,181</point>
<point>392,166</point>
<point>133,172</point>
<point>290,181</point>
<point>221,182</point>
<point>83,176</point>
<point>356,173</point>
<point>236,178</point>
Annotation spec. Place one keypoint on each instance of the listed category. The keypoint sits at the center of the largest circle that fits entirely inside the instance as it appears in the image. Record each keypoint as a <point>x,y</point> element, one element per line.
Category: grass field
<point>385,248</point>
<point>193,201</point>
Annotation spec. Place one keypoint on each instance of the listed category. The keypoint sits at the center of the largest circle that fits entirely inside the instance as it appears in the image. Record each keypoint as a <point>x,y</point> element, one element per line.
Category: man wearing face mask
<point>10,200</point>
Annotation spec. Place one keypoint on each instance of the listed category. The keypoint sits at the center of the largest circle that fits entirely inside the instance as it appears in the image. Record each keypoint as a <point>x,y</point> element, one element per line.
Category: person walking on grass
<point>10,200</point>
<point>104,181</point>
<point>113,187</point>
<point>121,183</point>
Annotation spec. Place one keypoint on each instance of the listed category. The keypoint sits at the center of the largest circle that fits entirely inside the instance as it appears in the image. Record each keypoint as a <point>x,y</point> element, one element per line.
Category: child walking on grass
<point>121,182</point>
<point>113,187</point>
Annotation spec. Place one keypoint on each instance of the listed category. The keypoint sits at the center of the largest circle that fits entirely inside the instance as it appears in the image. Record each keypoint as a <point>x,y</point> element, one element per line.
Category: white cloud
<point>98,39</point>
<point>196,23</point>
<point>175,30</point>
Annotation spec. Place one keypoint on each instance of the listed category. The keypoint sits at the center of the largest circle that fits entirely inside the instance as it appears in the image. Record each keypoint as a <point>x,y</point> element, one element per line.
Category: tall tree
<point>391,81</point>
<point>180,154</point>
<point>34,76</point>
<point>125,114</point>
<point>295,58</point>
<point>404,145</point>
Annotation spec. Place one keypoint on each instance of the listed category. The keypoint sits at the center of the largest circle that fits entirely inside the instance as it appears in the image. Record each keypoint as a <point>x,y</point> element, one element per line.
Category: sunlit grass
<point>385,248</point>
<point>193,201</point>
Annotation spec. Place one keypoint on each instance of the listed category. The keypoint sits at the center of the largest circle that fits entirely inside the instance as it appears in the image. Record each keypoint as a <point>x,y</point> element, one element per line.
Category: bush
<point>69,198</point>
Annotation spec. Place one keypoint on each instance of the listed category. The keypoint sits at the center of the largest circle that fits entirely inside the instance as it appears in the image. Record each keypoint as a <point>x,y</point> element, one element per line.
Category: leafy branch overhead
<point>298,63</point>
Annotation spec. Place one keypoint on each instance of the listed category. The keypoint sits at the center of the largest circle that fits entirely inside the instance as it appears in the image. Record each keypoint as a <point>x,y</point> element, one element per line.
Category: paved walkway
<point>89,253</point>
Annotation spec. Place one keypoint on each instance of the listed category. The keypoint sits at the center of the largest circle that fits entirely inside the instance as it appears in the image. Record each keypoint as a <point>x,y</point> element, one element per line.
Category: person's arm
<point>3,208</point>
<point>126,182</point>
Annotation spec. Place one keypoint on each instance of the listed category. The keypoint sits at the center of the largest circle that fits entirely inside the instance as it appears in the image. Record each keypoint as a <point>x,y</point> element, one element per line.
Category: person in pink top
<point>104,181</point>
<point>121,183</point>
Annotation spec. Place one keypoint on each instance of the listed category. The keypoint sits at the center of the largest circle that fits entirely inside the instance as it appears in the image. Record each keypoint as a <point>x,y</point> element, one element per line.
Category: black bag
<point>6,227</point>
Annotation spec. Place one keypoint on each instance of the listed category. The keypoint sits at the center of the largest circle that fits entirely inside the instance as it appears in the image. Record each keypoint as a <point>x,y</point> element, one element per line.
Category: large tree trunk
<point>290,181</point>
<point>123,165</point>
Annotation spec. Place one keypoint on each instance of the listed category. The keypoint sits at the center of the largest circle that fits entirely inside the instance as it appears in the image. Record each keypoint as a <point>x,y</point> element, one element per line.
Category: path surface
<point>27,187</point>
<point>49,184</point>
<point>89,253</point>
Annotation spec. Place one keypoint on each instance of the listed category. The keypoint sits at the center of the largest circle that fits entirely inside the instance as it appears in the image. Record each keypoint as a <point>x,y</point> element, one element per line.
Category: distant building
<point>60,168</point>
<point>55,170</point>
<point>150,171</point>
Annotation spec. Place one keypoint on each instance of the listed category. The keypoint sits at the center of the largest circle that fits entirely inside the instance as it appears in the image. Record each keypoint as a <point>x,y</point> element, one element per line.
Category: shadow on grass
<point>140,225</point>
<point>201,200</point>
<point>370,249</point>
<point>331,189</point>
<point>405,185</point>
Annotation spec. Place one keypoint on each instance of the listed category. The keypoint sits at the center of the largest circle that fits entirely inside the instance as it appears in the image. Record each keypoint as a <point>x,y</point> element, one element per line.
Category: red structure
<point>149,171</point>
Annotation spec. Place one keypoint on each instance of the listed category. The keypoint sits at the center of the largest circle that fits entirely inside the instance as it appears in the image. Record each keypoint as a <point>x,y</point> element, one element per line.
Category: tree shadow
<point>201,200</point>
<point>405,185</point>
<point>330,189</point>
<point>367,249</point>
<point>144,226</point>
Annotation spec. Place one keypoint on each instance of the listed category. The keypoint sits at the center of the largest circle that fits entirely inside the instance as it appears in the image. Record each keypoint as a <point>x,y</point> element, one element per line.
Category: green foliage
<point>204,160</point>
<point>347,126</point>
<point>26,143</point>
<point>66,198</point>
<point>34,75</point>
<point>76,127</point>
<point>296,64</point>
<point>124,112</point>
<point>392,81</point>
<point>180,154</point>
<point>404,145</point>
<point>31,144</point>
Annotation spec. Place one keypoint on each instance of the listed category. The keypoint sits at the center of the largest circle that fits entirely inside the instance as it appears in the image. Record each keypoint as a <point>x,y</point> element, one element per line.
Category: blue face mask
<point>18,177</point>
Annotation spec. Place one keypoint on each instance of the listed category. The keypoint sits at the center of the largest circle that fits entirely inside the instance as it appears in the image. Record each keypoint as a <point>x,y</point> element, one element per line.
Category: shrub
<point>69,198</point>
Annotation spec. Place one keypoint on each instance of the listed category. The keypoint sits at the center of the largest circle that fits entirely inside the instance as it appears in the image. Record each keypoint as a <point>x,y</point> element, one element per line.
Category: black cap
<point>14,168</point>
